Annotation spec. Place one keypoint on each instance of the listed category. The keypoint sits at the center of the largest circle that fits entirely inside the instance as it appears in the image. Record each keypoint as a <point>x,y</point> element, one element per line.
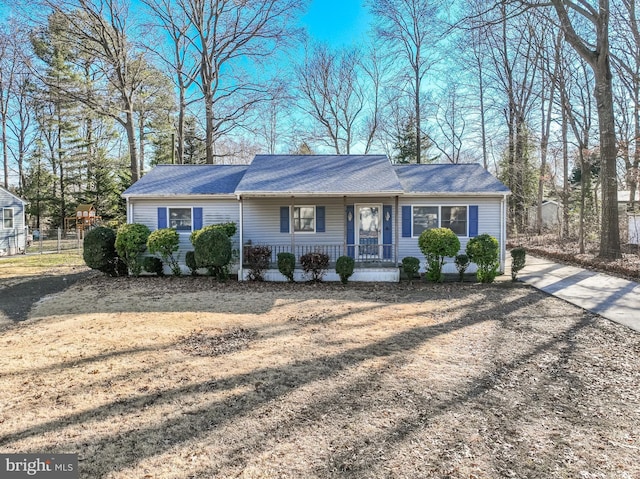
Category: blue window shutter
<point>406,221</point>
<point>197,219</point>
<point>387,228</point>
<point>284,219</point>
<point>320,222</point>
<point>473,221</point>
<point>162,218</point>
<point>351,231</point>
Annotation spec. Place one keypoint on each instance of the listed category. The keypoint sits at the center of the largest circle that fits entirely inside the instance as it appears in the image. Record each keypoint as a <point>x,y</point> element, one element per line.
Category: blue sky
<point>337,22</point>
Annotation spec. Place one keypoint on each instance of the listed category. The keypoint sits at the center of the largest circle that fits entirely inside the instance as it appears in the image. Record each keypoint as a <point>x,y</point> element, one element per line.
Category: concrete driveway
<point>613,298</point>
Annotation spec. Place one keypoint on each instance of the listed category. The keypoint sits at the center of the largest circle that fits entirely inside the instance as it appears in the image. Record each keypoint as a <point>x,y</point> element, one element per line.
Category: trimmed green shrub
<point>462,263</point>
<point>131,242</point>
<point>99,251</point>
<point>190,260</point>
<point>229,229</point>
<point>344,267</point>
<point>484,251</point>
<point>153,264</point>
<point>213,251</point>
<point>437,244</point>
<point>315,264</point>
<point>165,242</point>
<point>518,260</point>
<point>287,265</point>
<point>410,266</point>
<point>257,259</point>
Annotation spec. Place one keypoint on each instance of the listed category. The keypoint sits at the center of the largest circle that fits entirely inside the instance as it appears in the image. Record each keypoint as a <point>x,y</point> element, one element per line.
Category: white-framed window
<point>453,217</point>
<point>304,219</point>
<point>424,218</point>
<point>6,218</point>
<point>180,218</point>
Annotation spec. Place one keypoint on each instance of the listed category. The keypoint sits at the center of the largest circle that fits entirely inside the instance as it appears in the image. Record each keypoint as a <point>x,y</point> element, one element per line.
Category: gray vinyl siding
<point>12,240</point>
<point>488,222</point>
<point>214,211</point>
<point>262,220</point>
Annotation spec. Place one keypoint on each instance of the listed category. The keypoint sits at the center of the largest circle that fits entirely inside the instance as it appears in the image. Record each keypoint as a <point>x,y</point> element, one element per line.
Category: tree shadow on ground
<point>16,301</point>
<point>160,437</point>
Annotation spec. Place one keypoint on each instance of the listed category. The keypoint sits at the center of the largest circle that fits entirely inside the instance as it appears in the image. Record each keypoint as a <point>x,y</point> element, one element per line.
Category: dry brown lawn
<point>187,378</point>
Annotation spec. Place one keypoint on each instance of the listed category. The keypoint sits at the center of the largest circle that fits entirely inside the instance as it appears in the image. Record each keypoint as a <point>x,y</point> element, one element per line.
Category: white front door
<point>368,230</point>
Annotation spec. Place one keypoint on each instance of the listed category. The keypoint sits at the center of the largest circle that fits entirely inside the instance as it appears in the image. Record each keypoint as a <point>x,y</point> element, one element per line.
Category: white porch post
<point>395,232</point>
<point>344,223</point>
<point>292,227</point>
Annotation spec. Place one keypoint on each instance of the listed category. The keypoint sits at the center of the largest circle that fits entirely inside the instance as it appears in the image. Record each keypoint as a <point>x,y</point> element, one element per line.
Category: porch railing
<point>364,254</point>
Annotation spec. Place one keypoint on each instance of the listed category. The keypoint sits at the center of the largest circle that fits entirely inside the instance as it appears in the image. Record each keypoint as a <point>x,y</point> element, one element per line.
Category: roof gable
<point>176,180</point>
<point>319,174</point>
<point>5,192</point>
<point>467,178</point>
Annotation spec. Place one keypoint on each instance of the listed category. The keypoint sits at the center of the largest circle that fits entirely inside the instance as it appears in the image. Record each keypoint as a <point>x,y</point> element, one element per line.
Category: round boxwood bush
<point>410,266</point>
<point>437,244</point>
<point>344,267</point>
<point>287,265</point>
<point>165,242</point>
<point>153,265</point>
<point>131,242</point>
<point>213,251</point>
<point>99,251</point>
<point>229,229</point>
<point>484,251</point>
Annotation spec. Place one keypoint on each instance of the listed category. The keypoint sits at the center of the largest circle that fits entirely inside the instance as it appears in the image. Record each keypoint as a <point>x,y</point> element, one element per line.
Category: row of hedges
<point>314,264</point>
<point>123,252</point>
<point>439,243</point>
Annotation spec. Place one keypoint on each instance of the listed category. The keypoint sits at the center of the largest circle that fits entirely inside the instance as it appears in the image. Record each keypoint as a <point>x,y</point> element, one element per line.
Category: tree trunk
<point>565,171</point>
<point>129,127</point>
<point>610,226</point>
<point>418,116</point>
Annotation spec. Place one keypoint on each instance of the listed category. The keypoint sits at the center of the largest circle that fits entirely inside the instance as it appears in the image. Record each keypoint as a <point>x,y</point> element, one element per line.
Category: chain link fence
<point>54,240</point>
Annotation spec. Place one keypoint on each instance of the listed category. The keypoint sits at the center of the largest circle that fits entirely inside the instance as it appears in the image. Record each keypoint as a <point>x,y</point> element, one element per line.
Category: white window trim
<point>169,208</point>
<point>13,218</point>
<point>440,217</point>
<point>291,220</point>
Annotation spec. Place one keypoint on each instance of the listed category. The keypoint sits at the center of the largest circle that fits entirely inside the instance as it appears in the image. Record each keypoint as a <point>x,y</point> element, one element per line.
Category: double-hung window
<point>7,218</point>
<point>455,218</point>
<point>304,219</point>
<point>180,219</point>
<point>424,218</point>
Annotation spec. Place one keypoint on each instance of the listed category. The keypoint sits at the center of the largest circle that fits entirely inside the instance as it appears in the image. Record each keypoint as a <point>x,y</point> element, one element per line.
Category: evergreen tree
<point>406,145</point>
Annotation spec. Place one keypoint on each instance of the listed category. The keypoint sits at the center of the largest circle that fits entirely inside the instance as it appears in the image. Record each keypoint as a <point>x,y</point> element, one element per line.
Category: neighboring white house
<point>551,214</point>
<point>13,234</point>
<point>356,205</point>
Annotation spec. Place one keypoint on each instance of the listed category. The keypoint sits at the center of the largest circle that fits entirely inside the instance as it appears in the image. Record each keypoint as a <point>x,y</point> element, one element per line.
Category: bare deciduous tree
<point>332,93</point>
<point>411,29</point>
<point>225,36</point>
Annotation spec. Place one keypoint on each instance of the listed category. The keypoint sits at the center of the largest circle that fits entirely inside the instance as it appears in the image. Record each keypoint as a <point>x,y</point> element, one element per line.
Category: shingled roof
<point>179,180</point>
<point>319,174</point>
<point>280,175</point>
<point>469,178</point>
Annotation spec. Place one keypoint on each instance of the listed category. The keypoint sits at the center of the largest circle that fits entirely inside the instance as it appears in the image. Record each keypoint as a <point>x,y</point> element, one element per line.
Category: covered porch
<point>364,229</point>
